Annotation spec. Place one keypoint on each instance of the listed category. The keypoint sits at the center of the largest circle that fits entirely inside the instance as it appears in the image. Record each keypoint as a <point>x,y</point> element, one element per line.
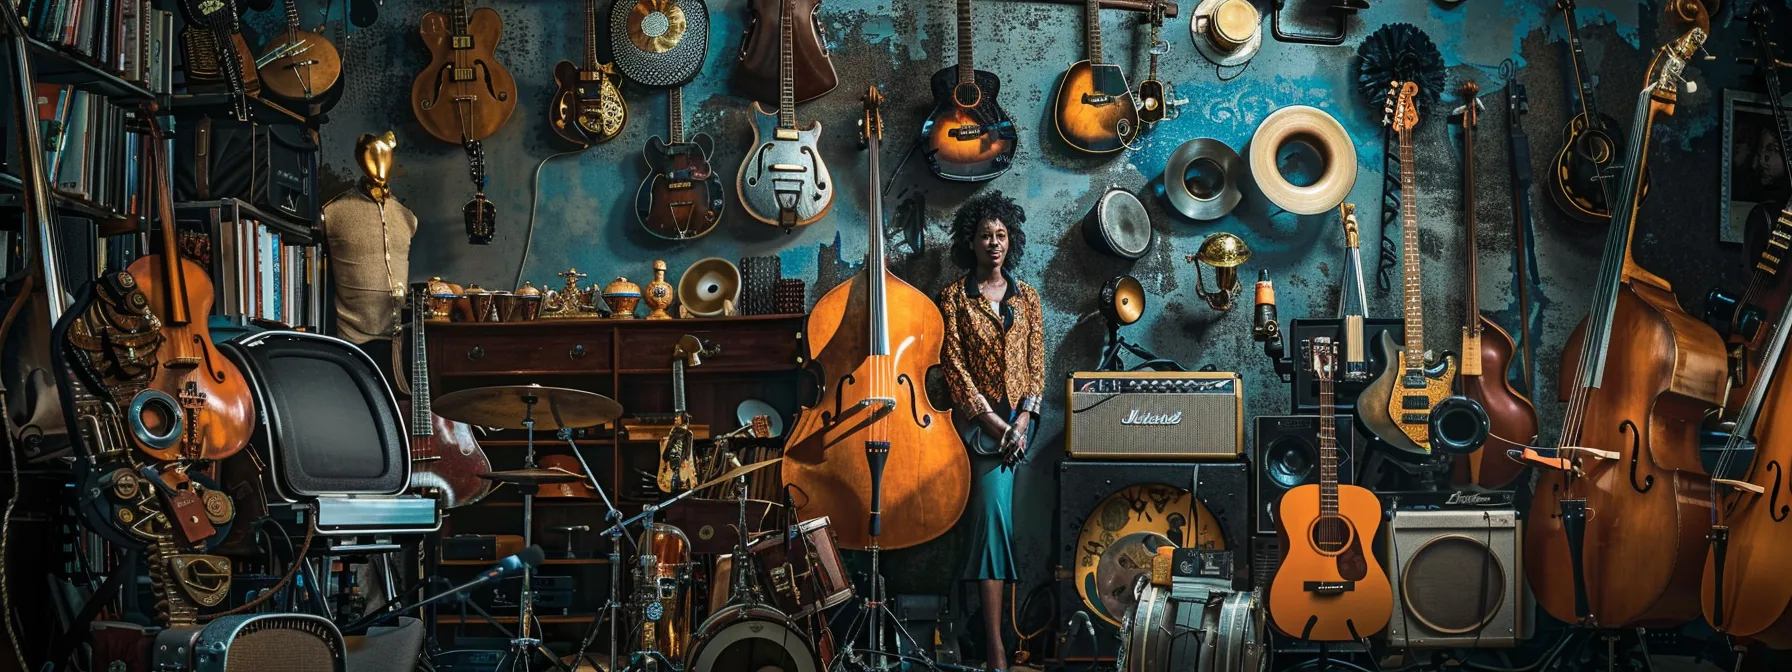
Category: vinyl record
<point>1201,179</point>
<point>659,43</point>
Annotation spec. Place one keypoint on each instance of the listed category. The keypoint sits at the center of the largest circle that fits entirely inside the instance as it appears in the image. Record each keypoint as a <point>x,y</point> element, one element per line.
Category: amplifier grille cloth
<point>1436,585</point>
<point>280,650</point>
<point>1105,424</point>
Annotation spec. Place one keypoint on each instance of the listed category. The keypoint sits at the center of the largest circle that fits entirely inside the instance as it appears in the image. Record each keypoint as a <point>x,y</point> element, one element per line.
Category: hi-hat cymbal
<point>505,406</point>
<point>532,476</point>
<point>738,472</point>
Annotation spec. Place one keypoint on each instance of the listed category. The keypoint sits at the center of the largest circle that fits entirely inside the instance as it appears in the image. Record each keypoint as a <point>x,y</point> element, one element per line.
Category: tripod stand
<point>525,645</point>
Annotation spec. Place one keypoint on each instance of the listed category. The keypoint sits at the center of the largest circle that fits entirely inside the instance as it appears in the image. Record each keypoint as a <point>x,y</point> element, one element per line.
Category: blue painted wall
<point>582,218</point>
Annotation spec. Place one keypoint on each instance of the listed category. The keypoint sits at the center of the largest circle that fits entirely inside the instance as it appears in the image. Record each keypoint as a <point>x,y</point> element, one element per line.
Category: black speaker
<point>1112,516</point>
<point>1305,390</point>
<point>1287,456</point>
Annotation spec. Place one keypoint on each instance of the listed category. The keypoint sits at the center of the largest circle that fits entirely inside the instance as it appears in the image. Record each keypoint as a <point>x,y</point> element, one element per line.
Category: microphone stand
<point>615,532</point>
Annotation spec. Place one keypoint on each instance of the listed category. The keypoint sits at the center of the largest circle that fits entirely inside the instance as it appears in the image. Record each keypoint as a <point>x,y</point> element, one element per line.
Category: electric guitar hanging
<point>678,451</point>
<point>300,66</point>
<point>1587,162</point>
<point>682,196</point>
<point>464,94</point>
<point>782,180</point>
<point>587,107</point>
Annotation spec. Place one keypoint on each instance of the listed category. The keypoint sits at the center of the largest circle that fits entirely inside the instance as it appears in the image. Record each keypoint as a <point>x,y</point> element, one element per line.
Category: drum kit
<point>779,584</point>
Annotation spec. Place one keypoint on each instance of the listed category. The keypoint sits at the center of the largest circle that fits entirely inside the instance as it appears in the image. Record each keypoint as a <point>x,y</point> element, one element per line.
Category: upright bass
<point>873,441</point>
<point>1618,519</point>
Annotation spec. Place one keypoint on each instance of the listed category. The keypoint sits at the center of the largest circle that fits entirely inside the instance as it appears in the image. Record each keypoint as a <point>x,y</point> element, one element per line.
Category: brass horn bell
<point>1225,253</point>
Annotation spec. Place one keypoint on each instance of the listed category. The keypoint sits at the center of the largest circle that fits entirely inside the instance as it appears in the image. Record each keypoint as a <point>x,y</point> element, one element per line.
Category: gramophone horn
<point>1123,300</point>
<point>1201,179</point>
<point>709,288</point>
<point>1318,130</point>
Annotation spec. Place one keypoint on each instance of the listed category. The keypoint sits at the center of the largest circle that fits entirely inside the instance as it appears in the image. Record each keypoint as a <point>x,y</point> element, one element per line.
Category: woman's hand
<point>1017,451</point>
<point>993,425</point>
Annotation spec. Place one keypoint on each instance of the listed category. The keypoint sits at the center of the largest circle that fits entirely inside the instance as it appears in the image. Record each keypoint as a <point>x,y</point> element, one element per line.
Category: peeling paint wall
<point>582,216</point>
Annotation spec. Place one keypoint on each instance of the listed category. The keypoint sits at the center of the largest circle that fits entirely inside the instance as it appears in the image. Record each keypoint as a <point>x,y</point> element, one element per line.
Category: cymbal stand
<point>525,645</point>
<point>612,603</point>
<point>874,608</point>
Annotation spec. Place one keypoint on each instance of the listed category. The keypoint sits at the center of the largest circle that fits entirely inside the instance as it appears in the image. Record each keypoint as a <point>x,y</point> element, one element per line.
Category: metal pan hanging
<point>659,43</point>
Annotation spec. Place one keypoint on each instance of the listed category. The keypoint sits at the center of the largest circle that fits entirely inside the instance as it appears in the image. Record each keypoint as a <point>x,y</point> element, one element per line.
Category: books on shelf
<point>260,275</point>
<point>128,38</point>
<point>89,151</point>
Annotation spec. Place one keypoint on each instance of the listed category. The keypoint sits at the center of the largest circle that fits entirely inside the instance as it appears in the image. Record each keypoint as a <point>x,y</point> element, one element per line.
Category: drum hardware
<point>1225,252</point>
<point>572,535</point>
<point>498,407</point>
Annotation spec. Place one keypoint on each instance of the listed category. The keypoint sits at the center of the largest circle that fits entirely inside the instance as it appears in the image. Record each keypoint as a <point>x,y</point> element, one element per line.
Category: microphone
<point>511,566</point>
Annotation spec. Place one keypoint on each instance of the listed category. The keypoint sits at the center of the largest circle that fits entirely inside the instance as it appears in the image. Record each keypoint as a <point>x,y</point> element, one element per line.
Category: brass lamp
<point>1225,253</point>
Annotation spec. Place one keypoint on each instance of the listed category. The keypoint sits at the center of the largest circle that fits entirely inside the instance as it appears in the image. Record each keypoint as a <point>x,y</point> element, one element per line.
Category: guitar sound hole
<point>967,95</point>
<point>1331,535</point>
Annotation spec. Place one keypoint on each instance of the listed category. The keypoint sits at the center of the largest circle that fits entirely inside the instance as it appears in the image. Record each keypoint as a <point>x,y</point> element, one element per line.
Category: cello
<point>873,439</point>
<point>1746,590</point>
<point>214,397</point>
<point>1617,520</point>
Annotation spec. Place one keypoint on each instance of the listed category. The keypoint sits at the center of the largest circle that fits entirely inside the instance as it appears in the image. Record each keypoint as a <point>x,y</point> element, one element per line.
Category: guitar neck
<point>966,67</point>
<point>422,416</point>
<point>292,14</point>
<point>1409,241</point>
<point>874,252</point>
<point>458,15</point>
<point>786,66</point>
<point>173,275</point>
<point>1583,81</point>
<point>1156,24</point>
<point>591,34</point>
<point>1092,10</point>
<point>1328,450</point>
<point>675,114</point>
<point>1471,318</point>
<point>1769,62</point>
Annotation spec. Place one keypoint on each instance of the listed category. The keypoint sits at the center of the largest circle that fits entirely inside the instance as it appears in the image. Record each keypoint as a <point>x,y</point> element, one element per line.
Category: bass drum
<point>1161,634</point>
<point>745,638</point>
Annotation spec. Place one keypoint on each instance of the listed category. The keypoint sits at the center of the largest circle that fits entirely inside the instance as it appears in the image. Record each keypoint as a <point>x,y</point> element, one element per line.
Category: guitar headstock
<point>1669,69</point>
<point>1347,214</point>
<point>692,350</point>
<point>871,126</point>
<point>1325,357</point>
<point>1565,5</point>
<point>1767,57</point>
<point>1399,110</point>
<point>1471,103</point>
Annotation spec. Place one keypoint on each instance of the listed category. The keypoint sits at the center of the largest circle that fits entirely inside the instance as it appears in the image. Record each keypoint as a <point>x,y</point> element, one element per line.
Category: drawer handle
<point>576,352</point>
<point>476,354</point>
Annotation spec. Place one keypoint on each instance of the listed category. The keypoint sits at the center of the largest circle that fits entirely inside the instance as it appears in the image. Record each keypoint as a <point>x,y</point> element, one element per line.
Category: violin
<point>1618,519</point>
<point>873,438</point>
<point>218,412</point>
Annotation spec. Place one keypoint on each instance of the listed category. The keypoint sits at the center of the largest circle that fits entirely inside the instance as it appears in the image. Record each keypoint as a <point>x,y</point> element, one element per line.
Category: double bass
<point>873,440</point>
<point>1618,520</point>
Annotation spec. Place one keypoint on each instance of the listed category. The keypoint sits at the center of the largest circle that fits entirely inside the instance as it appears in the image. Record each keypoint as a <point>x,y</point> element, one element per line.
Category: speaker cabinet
<point>1287,456</point>
<point>1457,578</point>
<point>1112,516</point>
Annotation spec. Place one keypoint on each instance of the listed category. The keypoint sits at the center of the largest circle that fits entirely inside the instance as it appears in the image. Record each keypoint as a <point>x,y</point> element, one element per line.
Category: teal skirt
<point>991,509</point>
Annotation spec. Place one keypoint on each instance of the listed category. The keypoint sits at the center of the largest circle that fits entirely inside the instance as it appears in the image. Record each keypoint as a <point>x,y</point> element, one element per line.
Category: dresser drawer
<point>544,351</point>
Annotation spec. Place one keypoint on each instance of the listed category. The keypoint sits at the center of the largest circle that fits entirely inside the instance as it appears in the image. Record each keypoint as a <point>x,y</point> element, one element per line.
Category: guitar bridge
<point>1097,99</point>
<point>1329,587</point>
<point>967,132</point>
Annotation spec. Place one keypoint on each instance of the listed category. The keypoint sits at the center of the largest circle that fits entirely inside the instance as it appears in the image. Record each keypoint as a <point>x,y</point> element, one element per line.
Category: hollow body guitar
<point>873,440</point>
<point>446,460</point>
<point>1329,587</point>
<point>682,197</point>
<point>969,136</point>
<point>1616,536</point>
<point>1488,352</point>
<point>1396,406</point>
<point>1094,110</point>
<point>782,180</point>
<point>464,94</point>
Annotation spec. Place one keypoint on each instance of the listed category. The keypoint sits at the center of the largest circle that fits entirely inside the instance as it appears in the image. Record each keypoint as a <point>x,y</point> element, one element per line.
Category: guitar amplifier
<point>1182,415</point>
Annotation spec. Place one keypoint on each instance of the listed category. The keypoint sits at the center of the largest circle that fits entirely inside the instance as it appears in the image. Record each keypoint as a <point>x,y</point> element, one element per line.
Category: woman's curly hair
<point>969,222</point>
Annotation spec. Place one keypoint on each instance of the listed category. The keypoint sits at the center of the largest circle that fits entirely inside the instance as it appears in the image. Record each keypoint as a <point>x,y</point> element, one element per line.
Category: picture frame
<point>1753,170</point>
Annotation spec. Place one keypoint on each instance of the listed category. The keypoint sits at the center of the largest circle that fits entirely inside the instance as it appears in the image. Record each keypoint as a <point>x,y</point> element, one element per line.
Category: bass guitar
<point>1396,406</point>
<point>1616,536</point>
<point>1488,352</point>
<point>969,136</point>
<point>300,66</point>
<point>873,438</point>
<point>784,46</point>
<point>1590,145</point>
<point>587,107</point>
<point>464,94</point>
<point>782,180</point>
<point>212,393</point>
<point>678,450</point>
<point>1095,110</point>
<point>215,50</point>
<point>446,460</point>
<point>1330,587</point>
<point>682,196</point>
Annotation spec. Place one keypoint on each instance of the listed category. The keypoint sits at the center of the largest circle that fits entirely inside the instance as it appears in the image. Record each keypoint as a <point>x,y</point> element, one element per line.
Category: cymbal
<point>504,406</point>
<point>738,472</point>
<point>532,476</point>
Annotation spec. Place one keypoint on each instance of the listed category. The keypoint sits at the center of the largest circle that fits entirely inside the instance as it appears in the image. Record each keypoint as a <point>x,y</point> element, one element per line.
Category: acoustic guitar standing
<point>1095,110</point>
<point>587,107</point>
<point>446,460</point>
<point>682,196</point>
<point>782,180</point>
<point>969,136</point>
<point>300,66</point>
<point>1329,588</point>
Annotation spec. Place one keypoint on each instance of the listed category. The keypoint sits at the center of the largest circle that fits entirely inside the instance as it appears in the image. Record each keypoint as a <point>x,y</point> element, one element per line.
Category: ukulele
<point>1152,103</point>
<point>446,460</point>
<point>678,451</point>
<point>298,65</point>
<point>212,393</point>
<point>783,181</point>
<point>1330,587</point>
<point>464,94</point>
<point>1487,350</point>
<point>1095,111</point>
<point>1590,143</point>
<point>682,196</point>
<point>1396,406</point>
<point>969,136</point>
<point>215,50</point>
<point>587,107</point>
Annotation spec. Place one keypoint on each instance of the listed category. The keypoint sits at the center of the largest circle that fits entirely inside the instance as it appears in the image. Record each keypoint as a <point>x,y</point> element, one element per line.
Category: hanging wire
<point>534,202</point>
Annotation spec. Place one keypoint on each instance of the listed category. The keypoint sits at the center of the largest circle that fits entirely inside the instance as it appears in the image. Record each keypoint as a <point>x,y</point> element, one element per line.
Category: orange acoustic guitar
<point>1329,588</point>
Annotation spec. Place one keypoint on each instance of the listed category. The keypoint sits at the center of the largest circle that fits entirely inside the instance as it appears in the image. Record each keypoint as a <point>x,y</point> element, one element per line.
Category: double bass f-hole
<point>1636,455</point>
<point>1775,508</point>
<point>914,408</point>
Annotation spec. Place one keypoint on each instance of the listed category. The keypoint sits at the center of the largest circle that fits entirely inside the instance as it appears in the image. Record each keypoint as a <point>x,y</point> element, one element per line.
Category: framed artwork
<point>1754,171</point>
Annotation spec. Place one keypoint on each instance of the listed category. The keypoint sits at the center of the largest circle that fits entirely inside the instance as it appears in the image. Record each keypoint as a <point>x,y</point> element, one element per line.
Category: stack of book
<point>128,38</point>
<point>263,277</point>
<point>89,153</point>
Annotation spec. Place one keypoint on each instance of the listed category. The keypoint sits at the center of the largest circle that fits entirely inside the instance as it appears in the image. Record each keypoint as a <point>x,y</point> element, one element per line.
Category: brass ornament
<point>1225,253</point>
<point>656,26</point>
<point>622,296</point>
<point>218,507</point>
<point>659,293</point>
<point>205,579</point>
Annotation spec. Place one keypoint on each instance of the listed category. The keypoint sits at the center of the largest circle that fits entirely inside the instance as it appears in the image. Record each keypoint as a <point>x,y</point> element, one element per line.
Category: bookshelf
<point>50,65</point>
<point>264,266</point>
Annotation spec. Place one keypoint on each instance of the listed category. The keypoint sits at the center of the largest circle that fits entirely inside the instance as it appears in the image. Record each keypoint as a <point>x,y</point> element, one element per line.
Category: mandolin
<point>1094,108</point>
<point>464,94</point>
<point>587,107</point>
<point>782,180</point>
<point>1152,103</point>
<point>873,439</point>
<point>300,66</point>
<point>969,136</point>
<point>446,460</point>
<point>678,450</point>
<point>682,196</point>
<point>1616,535</point>
<point>214,397</point>
<point>1395,407</point>
<point>1329,587</point>
<point>1488,352</point>
<point>784,46</point>
<point>1590,145</point>
<point>215,50</point>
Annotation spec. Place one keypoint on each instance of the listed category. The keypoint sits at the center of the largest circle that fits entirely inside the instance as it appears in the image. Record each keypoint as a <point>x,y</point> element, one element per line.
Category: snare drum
<point>802,578</point>
<point>745,638</point>
<point>1222,633</point>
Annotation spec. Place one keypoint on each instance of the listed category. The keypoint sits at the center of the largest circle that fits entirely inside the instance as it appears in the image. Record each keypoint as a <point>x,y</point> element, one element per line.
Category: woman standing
<point>995,367</point>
